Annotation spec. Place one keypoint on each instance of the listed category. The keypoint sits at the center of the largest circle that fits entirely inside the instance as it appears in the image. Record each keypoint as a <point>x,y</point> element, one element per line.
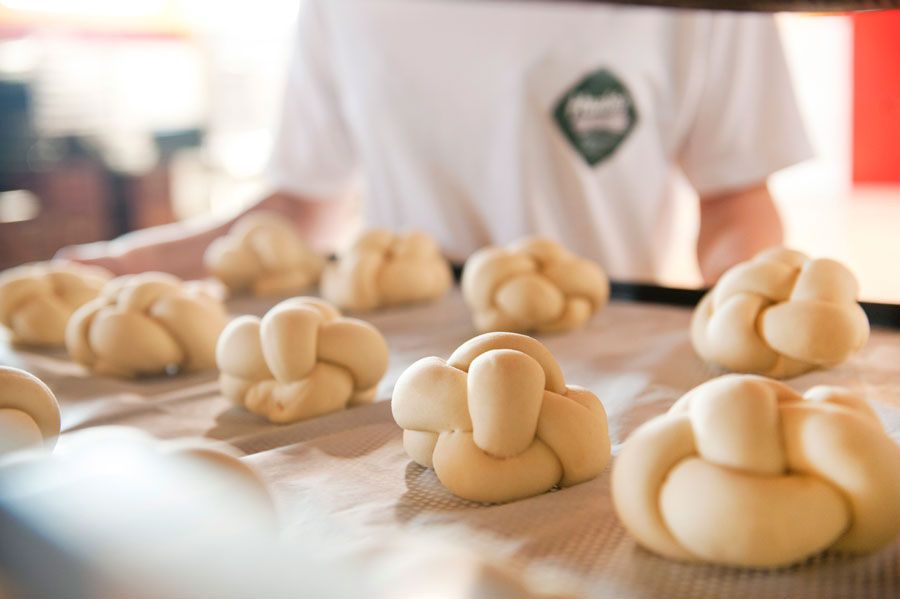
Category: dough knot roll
<point>302,359</point>
<point>147,324</point>
<point>37,300</point>
<point>743,471</point>
<point>382,269</point>
<point>532,285</point>
<point>263,254</point>
<point>780,314</point>
<point>29,413</point>
<point>497,422</point>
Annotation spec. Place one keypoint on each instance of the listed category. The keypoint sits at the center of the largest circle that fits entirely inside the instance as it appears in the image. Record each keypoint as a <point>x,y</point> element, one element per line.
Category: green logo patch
<point>596,115</point>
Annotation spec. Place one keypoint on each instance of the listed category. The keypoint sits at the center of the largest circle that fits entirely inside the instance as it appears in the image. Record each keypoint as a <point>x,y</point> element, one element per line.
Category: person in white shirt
<point>481,122</point>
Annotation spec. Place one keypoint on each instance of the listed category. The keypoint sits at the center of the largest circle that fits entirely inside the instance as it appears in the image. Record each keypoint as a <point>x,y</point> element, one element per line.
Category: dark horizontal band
<point>880,315</point>
<point>809,6</point>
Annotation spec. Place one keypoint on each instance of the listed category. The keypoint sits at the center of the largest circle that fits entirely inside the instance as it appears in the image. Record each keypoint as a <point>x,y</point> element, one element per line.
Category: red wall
<point>876,97</point>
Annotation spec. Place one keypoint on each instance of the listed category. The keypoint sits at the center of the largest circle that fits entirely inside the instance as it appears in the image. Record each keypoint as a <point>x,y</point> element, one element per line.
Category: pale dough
<point>497,422</point>
<point>264,254</point>
<point>532,285</point>
<point>37,300</point>
<point>743,471</point>
<point>145,324</point>
<point>29,413</point>
<point>779,315</point>
<point>302,359</point>
<point>382,269</point>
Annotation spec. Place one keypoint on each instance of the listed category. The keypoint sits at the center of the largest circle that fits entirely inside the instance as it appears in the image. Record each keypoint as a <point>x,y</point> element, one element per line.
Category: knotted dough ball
<point>29,413</point>
<point>386,269</point>
<point>264,254</point>
<point>144,324</point>
<point>780,314</point>
<point>532,285</point>
<point>497,422</point>
<point>37,300</point>
<point>743,471</point>
<point>301,360</point>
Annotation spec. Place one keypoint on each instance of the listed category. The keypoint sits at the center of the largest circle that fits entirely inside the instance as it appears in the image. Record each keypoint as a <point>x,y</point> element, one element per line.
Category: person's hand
<point>734,227</point>
<point>171,248</point>
<point>178,248</point>
<point>100,253</point>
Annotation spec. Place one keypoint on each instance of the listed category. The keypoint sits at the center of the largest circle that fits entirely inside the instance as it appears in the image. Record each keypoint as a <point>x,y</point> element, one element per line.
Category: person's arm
<point>178,247</point>
<point>746,126</point>
<point>314,164</point>
<point>735,226</point>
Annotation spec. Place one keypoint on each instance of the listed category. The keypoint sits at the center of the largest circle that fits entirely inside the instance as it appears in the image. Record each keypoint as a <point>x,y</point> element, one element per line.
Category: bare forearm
<point>178,247</point>
<point>734,227</point>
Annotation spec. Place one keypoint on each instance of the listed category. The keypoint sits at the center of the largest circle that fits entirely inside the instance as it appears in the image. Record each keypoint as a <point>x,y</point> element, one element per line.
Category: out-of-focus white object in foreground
<point>126,511</point>
<point>114,512</point>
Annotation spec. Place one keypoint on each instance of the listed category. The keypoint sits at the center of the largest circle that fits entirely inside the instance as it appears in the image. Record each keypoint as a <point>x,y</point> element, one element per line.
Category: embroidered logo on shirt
<point>596,115</point>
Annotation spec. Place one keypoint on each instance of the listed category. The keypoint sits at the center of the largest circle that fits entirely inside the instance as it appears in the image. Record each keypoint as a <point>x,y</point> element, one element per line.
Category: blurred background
<point>121,115</point>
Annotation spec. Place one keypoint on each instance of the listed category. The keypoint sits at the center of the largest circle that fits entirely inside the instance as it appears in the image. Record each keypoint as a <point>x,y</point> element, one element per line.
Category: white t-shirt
<point>481,122</point>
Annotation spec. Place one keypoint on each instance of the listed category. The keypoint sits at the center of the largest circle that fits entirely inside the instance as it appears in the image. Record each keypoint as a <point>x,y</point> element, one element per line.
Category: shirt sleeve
<point>747,124</point>
<point>313,153</point>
